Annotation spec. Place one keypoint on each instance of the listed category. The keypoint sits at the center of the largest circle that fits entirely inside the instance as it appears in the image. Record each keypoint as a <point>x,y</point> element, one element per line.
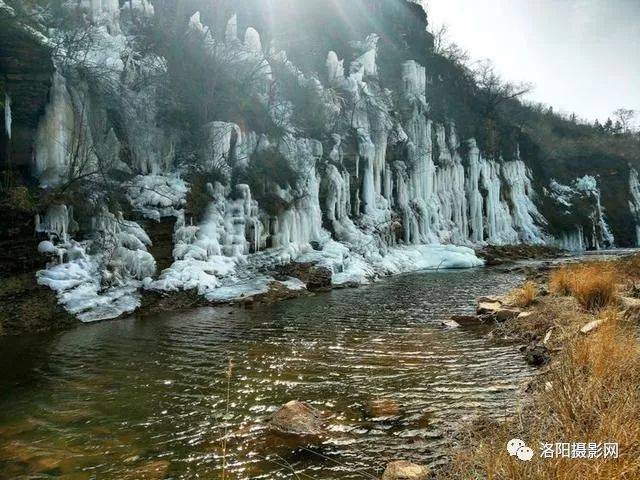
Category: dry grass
<point>592,394</point>
<point>592,284</point>
<point>525,295</point>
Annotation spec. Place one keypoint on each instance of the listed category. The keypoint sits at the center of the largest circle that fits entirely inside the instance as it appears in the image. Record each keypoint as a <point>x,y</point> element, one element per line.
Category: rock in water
<point>382,407</point>
<point>450,324</point>
<point>403,470</point>
<point>298,419</point>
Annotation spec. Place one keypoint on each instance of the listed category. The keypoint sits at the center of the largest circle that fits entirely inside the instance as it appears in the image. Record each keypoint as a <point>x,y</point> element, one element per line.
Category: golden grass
<point>591,394</point>
<point>525,295</point>
<point>592,284</point>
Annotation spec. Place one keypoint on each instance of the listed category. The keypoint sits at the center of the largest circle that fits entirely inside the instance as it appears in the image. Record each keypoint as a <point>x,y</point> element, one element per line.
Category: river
<point>146,397</point>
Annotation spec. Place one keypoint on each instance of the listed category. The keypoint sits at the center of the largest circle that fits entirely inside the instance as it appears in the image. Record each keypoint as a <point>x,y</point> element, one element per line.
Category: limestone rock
<point>466,320</point>
<point>591,327</point>
<point>536,354</point>
<point>504,314</point>
<point>403,470</point>
<point>450,324</point>
<point>488,307</point>
<point>297,418</point>
<point>382,407</point>
<point>314,276</point>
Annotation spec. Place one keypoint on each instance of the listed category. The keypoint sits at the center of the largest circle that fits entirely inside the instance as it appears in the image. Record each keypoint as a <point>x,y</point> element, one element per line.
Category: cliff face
<point>273,132</point>
<point>25,78</point>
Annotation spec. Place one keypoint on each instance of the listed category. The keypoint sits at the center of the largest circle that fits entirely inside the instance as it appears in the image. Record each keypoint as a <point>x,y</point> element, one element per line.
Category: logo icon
<point>517,448</point>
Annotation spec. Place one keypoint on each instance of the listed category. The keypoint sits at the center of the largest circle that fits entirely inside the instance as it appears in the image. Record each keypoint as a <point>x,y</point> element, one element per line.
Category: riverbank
<point>578,323</point>
<point>30,308</point>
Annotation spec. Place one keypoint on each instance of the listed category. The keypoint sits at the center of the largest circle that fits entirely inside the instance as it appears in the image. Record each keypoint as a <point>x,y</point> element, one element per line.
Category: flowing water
<point>147,398</point>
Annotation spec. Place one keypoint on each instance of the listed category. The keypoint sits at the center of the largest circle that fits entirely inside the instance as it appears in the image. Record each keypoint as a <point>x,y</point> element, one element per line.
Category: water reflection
<point>145,398</point>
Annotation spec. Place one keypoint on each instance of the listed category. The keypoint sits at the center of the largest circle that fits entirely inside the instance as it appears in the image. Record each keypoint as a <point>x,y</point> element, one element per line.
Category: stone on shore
<point>314,276</point>
<point>488,307</point>
<point>403,470</point>
<point>591,327</point>
<point>536,354</point>
<point>466,320</point>
<point>504,314</point>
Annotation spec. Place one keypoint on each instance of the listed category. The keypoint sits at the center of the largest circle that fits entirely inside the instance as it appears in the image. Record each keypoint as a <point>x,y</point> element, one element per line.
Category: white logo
<point>517,448</point>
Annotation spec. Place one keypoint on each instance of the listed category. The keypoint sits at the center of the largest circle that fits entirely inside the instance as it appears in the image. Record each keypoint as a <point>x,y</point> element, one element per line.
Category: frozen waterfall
<point>385,189</point>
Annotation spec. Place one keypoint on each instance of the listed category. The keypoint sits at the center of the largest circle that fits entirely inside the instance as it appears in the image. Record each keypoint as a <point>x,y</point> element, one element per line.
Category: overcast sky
<point>582,56</point>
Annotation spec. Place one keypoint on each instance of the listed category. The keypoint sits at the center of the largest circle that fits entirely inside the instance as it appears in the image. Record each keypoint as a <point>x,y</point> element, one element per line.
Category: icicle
<point>252,40</point>
<point>335,68</point>
<point>54,138</point>
<point>7,115</point>
<point>231,32</point>
<point>475,200</point>
<point>572,241</point>
<point>634,202</point>
<point>601,236</point>
<point>526,217</point>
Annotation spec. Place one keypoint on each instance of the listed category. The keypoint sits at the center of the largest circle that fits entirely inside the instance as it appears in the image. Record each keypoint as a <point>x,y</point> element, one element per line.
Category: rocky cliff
<point>270,132</point>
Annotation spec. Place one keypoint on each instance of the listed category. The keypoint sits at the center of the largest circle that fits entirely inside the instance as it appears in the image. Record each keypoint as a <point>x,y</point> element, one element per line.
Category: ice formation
<point>634,202</point>
<point>601,236</point>
<point>7,115</point>
<point>157,196</point>
<point>391,191</point>
<point>591,231</point>
<point>55,135</point>
<point>100,285</point>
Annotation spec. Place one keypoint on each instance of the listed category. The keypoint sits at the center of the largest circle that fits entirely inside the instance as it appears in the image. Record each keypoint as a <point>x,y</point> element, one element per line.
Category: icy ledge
<point>233,279</point>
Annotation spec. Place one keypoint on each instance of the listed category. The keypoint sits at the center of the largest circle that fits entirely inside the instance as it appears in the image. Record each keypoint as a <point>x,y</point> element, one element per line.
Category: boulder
<point>382,407</point>
<point>403,470</point>
<point>314,276</point>
<point>488,307</point>
<point>298,419</point>
<point>536,354</point>
<point>450,324</point>
<point>504,314</point>
<point>466,320</point>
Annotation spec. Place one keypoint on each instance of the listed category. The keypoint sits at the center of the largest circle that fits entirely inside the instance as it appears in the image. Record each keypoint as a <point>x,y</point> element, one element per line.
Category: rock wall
<point>382,189</point>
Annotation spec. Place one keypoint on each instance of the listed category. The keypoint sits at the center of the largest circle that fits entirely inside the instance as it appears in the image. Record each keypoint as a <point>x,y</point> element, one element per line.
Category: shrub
<point>591,395</point>
<point>560,282</point>
<point>593,285</point>
<point>525,295</point>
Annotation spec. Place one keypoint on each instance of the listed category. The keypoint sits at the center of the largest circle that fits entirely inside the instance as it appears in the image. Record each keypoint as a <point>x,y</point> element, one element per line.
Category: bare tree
<point>444,47</point>
<point>625,116</point>
<point>493,90</point>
